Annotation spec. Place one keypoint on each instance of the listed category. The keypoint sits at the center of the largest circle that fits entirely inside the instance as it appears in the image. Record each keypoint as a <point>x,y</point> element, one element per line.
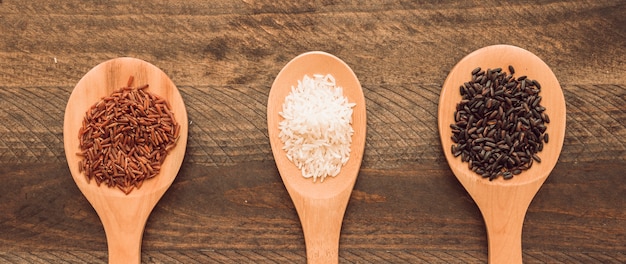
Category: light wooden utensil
<point>320,205</point>
<point>503,203</point>
<point>123,216</point>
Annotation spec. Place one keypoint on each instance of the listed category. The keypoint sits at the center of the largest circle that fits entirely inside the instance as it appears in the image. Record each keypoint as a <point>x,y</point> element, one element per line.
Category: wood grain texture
<point>228,203</point>
<point>291,256</point>
<point>213,208</point>
<point>247,42</point>
<point>401,124</point>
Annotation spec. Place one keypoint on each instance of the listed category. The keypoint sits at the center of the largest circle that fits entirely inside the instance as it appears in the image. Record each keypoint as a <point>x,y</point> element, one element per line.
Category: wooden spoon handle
<point>124,240</point>
<point>124,244</point>
<point>124,219</point>
<point>503,209</point>
<point>504,233</point>
<point>321,223</point>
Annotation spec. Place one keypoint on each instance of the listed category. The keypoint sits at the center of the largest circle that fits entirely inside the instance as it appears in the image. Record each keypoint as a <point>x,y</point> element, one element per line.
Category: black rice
<point>499,124</point>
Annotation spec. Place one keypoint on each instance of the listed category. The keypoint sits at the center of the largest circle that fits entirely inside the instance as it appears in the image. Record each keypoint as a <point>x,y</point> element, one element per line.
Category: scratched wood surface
<point>228,204</point>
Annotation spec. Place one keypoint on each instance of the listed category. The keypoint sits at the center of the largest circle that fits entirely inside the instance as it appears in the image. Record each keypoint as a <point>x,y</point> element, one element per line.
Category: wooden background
<point>228,203</point>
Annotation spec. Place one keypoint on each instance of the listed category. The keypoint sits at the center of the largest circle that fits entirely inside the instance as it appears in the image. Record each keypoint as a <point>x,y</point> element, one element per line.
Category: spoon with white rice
<point>315,134</point>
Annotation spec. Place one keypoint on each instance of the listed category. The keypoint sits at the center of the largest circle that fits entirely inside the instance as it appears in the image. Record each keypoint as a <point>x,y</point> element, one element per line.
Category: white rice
<point>316,129</point>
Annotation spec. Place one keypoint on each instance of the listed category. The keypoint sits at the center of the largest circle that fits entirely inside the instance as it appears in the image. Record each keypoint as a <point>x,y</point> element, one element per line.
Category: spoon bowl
<point>503,203</point>
<point>123,216</point>
<point>320,205</point>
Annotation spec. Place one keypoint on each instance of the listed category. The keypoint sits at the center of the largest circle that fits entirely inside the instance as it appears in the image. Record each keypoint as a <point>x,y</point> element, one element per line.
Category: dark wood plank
<point>228,125</point>
<point>247,208</point>
<point>217,43</point>
<point>291,256</point>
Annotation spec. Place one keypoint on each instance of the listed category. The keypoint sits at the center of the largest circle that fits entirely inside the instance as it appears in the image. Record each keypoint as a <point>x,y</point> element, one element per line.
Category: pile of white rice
<point>316,129</point>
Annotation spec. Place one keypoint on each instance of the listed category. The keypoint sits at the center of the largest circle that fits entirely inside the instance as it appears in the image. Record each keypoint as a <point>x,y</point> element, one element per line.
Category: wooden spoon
<point>320,205</point>
<point>503,203</point>
<point>123,216</point>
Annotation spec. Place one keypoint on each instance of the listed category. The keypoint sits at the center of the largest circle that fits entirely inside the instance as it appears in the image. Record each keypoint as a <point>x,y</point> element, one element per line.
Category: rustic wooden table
<point>228,203</point>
